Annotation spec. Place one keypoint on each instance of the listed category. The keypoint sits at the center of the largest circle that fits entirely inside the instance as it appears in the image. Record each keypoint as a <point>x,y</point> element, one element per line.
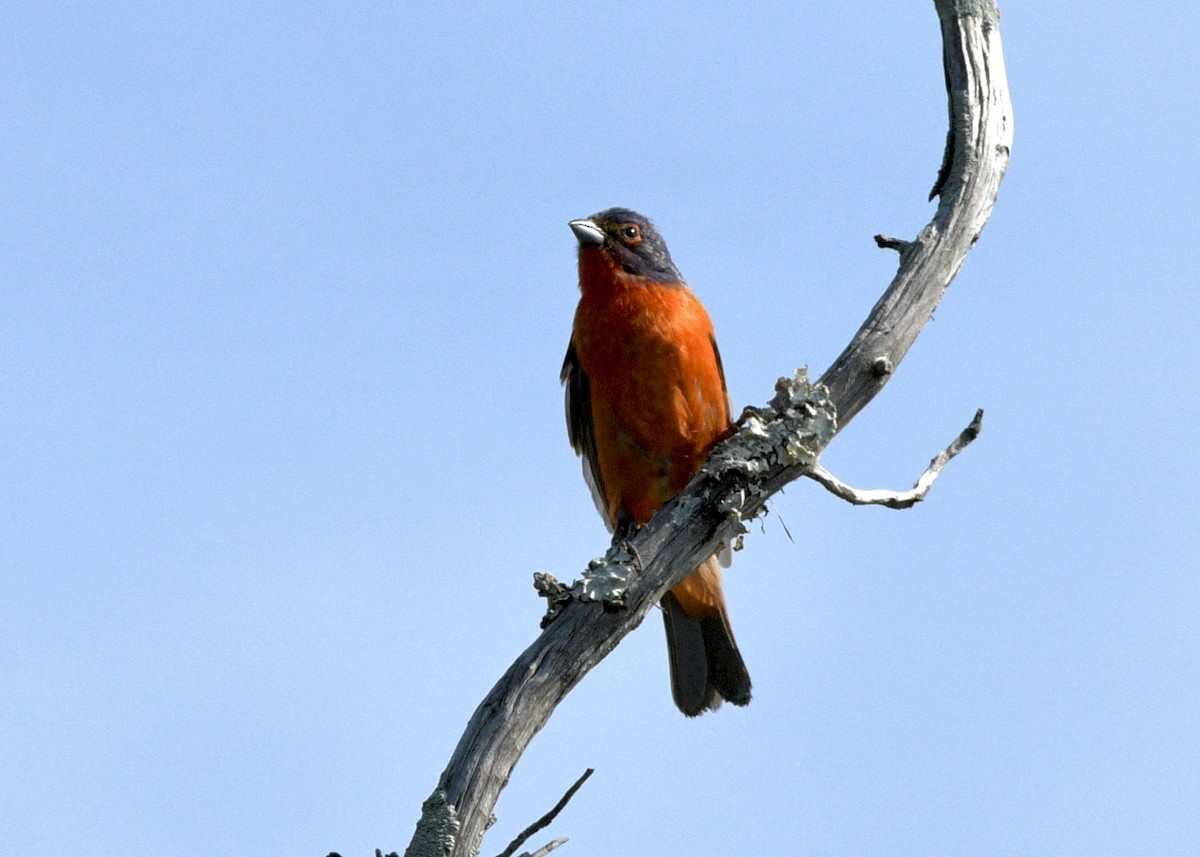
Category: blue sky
<point>285,291</point>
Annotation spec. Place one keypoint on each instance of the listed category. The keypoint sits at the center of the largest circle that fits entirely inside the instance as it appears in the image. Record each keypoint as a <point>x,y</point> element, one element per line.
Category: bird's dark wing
<point>581,431</point>
<point>721,372</point>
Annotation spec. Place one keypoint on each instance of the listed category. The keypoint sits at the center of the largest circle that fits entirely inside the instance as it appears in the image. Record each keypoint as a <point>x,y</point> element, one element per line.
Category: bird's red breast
<point>658,399</point>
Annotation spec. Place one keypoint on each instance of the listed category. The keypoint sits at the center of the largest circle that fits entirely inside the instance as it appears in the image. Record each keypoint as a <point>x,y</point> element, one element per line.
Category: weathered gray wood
<point>692,526</point>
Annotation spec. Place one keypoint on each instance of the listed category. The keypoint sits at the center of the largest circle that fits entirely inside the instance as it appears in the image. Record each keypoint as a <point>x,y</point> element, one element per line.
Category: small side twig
<point>547,848</point>
<point>545,820</point>
<point>899,499</point>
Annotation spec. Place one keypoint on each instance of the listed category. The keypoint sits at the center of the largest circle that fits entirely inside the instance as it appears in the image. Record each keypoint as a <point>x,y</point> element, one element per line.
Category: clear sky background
<point>285,292</point>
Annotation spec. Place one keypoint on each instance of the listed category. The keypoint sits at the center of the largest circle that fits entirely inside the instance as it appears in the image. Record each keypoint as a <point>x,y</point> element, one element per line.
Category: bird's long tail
<point>706,665</point>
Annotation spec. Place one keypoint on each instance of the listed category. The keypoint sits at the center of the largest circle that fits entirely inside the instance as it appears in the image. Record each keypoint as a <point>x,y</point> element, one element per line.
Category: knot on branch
<point>605,580</point>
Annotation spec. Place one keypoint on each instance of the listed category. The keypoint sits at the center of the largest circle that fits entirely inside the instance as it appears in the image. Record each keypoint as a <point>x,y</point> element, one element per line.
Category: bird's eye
<point>631,232</point>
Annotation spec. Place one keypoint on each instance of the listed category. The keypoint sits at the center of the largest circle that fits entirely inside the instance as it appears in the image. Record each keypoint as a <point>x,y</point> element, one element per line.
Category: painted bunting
<point>646,400</point>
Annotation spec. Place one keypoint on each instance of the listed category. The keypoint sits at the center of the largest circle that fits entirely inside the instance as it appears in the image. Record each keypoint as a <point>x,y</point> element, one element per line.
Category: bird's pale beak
<point>587,232</point>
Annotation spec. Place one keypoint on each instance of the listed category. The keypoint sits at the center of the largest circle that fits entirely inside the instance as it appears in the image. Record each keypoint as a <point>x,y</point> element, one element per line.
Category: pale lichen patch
<point>436,829</point>
<point>605,580</point>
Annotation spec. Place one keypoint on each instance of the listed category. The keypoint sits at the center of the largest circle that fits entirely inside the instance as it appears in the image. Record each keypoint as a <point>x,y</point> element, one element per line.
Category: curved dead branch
<point>775,446</point>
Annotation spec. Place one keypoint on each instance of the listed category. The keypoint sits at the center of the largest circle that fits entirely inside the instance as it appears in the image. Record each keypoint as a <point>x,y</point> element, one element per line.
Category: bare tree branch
<point>780,445</point>
<point>547,818</point>
<point>547,848</point>
<point>899,499</point>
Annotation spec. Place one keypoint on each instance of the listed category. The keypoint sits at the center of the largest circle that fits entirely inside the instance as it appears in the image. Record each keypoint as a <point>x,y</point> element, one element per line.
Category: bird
<point>646,400</point>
